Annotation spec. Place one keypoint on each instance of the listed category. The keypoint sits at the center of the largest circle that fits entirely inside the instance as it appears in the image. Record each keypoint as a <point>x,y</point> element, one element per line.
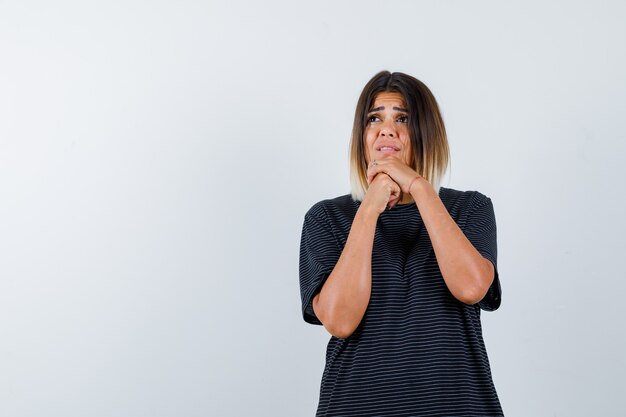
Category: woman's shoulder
<point>462,200</point>
<point>337,207</point>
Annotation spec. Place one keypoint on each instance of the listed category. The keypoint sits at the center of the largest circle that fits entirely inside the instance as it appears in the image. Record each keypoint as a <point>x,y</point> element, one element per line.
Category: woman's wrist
<point>412,182</point>
<point>417,187</point>
<point>368,213</point>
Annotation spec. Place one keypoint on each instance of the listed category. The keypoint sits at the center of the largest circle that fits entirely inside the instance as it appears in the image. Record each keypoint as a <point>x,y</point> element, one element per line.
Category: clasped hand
<point>384,190</point>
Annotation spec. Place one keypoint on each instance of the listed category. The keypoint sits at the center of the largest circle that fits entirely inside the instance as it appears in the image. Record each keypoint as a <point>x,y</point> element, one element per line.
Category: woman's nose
<point>388,130</point>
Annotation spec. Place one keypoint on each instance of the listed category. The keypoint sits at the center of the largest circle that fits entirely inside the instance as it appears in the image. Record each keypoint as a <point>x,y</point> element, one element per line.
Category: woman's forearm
<point>343,299</point>
<point>466,272</point>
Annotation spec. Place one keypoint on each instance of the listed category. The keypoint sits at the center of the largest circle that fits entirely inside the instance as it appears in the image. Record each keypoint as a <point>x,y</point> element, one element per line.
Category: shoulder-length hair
<point>429,144</point>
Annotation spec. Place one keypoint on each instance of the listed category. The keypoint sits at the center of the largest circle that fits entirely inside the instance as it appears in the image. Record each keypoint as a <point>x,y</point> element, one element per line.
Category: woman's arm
<point>343,299</point>
<point>466,272</point>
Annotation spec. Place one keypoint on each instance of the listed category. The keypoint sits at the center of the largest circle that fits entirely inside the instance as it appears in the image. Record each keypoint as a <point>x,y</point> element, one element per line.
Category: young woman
<point>398,270</point>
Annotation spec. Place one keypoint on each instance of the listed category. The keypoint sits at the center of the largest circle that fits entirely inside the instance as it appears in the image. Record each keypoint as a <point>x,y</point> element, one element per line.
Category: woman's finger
<point>369,173</point>
<point>372,171</point>
<point>395,196</point>
<point>386,165</point>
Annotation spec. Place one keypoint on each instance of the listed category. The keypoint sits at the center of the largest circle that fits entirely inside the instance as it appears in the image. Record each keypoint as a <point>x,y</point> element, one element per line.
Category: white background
<point>157,159</point>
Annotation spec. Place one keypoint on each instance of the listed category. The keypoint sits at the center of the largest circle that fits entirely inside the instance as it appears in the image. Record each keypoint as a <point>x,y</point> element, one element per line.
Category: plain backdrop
<point>157,159</point>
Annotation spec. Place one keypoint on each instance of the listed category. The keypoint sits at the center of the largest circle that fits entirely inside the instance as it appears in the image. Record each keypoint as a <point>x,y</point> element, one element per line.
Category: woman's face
<point>387,128</point>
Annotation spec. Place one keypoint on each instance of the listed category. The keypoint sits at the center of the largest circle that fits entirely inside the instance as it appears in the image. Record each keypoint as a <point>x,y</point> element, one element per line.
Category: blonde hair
<point>429,144</point>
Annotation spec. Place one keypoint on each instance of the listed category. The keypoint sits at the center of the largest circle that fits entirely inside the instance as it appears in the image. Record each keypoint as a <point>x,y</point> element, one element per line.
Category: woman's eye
<point>400,119</point>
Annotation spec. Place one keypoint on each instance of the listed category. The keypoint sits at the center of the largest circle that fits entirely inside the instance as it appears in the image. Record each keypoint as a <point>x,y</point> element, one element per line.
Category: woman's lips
<point>388,151</point>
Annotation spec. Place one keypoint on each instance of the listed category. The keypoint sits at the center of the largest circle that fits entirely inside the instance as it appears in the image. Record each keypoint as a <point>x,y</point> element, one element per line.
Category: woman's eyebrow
<point>383,108</point>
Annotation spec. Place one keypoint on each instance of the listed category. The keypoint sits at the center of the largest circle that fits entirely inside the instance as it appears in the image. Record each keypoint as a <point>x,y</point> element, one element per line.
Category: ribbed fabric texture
<point>418,350</point>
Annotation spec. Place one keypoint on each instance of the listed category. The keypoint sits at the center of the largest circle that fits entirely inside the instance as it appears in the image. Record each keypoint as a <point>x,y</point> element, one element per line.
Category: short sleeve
<point>319,253</point>
<point>481,231</point>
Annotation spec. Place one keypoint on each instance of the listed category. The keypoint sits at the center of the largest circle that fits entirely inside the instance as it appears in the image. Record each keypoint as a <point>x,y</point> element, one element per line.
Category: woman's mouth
<point>388,149</point>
